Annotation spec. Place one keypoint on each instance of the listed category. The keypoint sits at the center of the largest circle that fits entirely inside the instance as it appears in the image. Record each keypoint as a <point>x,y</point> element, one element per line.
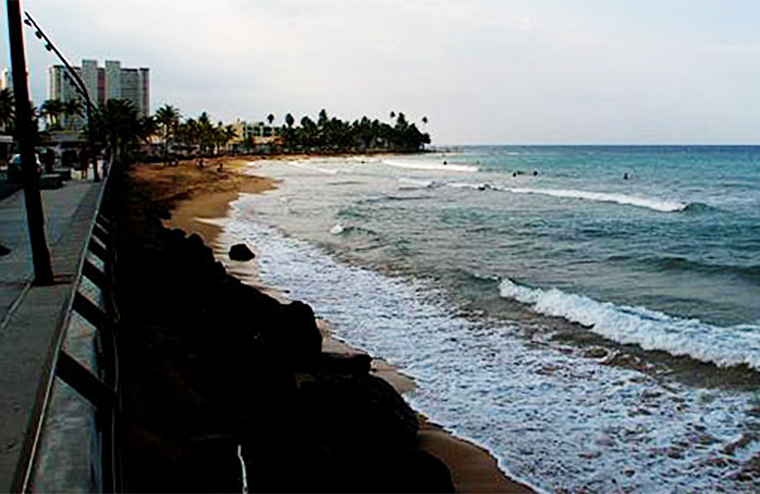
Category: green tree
<point>206,133</point>
<point>289,120</point>
<point>52,110</point>
<point>118,129</point>
<point>228,134</point>
<point>167,118</point>
<point>188,133</point>
<point>331,134</point>
<point>223,134</point>
<point>7,109</point>
<point>74,108</point>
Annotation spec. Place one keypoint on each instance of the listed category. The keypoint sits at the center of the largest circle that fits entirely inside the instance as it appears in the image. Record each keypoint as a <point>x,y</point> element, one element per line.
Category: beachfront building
<point>254,134</point>
<point>103,83</point>
<point>243,131</point>
<point>265,133</point>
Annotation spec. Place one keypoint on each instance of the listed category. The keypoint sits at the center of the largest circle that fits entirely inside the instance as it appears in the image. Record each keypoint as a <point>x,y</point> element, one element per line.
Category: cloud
<point>481,70</point>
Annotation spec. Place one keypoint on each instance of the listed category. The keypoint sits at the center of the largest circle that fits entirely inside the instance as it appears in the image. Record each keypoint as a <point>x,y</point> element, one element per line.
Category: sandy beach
<point>200,199</point>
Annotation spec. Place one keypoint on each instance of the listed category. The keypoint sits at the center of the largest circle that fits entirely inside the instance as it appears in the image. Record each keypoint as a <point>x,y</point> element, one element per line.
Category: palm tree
<point>270,119</point>
<point>147,127</point>
<point>189,133</point>
<point>73,107</point>
<point>167,118</point>
<point>117,127</point>
<point>205,131</point>
<point>223,134</point>
<point>229,133</point>
<point>52,110</point>
<point>7,110</point>
<point>424,120</point>
<point>289,120</point>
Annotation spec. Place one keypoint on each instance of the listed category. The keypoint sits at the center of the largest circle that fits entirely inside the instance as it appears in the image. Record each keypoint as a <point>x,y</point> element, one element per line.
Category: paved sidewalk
<point>31,316</point>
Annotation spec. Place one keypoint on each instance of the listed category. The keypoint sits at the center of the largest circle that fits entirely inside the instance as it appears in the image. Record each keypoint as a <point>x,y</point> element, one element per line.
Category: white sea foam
<point>337,229</point>
<point>413,183</point>
<point>647,328</point>
<point>655,204</point>
<point>363,159</point>
<point>430,166</point>
<point>305,166</point>
<point>466,185</point>
<point>551,418</point>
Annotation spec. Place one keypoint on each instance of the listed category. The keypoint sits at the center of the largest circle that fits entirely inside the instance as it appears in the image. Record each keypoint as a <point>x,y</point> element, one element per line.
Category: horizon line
<point>433,146</point>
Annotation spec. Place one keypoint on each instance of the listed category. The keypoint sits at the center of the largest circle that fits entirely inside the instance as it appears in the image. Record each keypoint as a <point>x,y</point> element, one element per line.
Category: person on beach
<point>200,162</point>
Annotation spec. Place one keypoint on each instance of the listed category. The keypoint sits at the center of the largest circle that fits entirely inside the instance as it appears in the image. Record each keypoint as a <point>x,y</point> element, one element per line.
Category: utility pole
<point>25,132</point>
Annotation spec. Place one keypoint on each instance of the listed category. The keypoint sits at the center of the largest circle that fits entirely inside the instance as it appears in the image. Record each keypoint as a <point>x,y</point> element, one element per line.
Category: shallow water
<point>593,332</point>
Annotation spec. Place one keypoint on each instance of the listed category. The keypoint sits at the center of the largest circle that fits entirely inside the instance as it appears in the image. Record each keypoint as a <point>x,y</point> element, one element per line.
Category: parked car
<point>14,167</point>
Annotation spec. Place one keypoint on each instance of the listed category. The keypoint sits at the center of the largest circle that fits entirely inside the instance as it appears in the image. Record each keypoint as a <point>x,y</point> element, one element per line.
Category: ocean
<point>588,314</point>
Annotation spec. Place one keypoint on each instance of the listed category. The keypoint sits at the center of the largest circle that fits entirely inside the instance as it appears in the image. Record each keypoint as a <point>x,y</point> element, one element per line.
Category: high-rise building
<point>6,79</point>
<point>103,84</point>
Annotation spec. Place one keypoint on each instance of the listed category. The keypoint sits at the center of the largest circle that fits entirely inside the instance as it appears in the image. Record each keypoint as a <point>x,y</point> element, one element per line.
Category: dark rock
<point>210,464</point>
<point>4,251</point>
<point>241,252</point>
<point>341,404</point>
<point>209,363</point>
<point>298,335</point>
<point>345,363</point>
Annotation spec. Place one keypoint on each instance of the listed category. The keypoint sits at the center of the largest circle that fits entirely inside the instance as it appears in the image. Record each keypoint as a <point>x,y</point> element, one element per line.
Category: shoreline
<point>203,208</point>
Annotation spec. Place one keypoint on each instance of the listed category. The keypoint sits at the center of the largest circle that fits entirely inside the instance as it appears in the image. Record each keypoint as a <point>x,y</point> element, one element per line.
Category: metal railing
<point>98,385</point>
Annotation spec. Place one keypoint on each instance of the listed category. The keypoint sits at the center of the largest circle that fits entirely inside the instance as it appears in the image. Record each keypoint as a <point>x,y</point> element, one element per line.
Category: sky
<point>481,71</point>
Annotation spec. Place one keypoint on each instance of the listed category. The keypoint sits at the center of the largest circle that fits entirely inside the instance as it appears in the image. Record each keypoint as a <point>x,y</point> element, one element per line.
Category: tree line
<point>335,135</point>
<point>121,133</point>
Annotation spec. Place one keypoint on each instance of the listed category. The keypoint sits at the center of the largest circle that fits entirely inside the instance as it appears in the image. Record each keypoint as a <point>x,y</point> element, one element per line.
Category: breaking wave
<point>654,204</point>
<point>430,166</point>
<point>651,330</point>
<point>304,166</point>
<point>649,203</point>
<point>413,183</point>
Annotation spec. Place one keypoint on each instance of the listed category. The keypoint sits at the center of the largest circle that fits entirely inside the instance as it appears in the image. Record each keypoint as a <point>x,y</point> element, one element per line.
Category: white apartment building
<point>6,79</point>
<point>102,83</point>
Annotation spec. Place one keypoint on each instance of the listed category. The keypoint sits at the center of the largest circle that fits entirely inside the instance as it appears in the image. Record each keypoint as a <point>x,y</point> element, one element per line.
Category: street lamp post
<point>43,271</point>
<point>79,86</point>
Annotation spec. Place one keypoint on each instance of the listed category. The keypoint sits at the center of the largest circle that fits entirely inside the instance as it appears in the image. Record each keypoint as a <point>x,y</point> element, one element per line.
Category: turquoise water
<point>701,261</point>
<point>591,315</point>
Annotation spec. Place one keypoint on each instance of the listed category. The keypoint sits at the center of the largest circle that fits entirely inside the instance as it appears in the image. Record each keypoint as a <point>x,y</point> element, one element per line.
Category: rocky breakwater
<point>214,371</point>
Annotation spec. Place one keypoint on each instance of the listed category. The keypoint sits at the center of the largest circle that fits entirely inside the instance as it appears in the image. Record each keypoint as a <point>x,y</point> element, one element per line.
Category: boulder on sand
<point>241,252</point>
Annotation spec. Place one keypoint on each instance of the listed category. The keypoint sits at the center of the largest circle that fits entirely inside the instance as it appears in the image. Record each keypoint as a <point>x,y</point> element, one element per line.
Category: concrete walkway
<point>31,317</point>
